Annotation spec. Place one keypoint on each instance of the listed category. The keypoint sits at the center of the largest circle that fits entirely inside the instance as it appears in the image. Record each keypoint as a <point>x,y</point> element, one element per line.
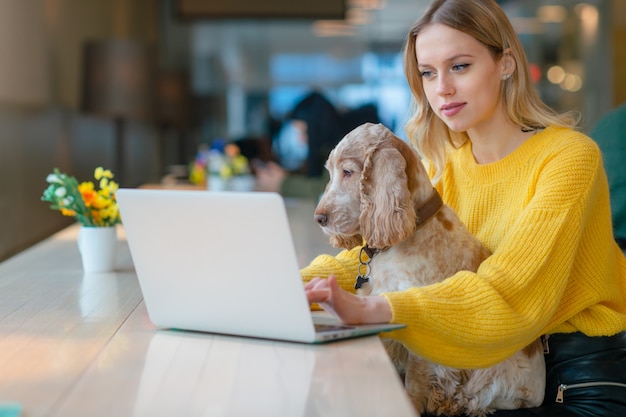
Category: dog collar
<point>429,209</point>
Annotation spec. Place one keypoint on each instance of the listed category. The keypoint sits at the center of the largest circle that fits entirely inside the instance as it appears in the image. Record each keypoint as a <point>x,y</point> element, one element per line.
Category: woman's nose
<point>444,85</point>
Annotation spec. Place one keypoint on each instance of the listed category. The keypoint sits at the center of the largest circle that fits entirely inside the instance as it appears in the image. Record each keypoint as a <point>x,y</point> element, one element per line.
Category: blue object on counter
<point>10,409</point>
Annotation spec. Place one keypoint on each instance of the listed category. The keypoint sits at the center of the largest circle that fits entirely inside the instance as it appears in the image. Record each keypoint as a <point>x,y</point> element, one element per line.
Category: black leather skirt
<point>585,377</point>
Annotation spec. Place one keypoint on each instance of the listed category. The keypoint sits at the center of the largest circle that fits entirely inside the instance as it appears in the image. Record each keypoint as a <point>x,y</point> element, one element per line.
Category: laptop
<point>223,262</point>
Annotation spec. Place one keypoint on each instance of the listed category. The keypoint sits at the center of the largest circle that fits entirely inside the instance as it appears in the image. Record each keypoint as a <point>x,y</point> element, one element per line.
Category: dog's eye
<point>347,173</point>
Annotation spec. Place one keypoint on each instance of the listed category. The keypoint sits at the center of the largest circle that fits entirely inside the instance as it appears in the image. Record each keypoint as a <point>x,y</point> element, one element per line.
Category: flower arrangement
<point>90,206</point>
<point>231,163</point>
<point>220,161</point>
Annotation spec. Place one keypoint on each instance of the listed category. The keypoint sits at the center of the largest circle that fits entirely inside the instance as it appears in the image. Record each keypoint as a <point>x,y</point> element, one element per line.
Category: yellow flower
<point>197,174</point>
<point>99,202</point>
<point>109,212</point>
<point>226,171</point>
<point>240,164</point>
<point>68,213</point>
<point>102,173</point>
<point>87,192</point>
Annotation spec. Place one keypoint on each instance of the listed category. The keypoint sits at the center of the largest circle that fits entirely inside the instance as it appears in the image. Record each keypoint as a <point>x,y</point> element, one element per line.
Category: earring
<point>506,77</point>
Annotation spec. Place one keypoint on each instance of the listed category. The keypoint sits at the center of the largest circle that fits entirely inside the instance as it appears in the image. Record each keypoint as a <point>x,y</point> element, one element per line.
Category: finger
<point>332,283</point>
<point>329,309</point>
<point>317,296</point>
<point>312,283</point>
<point>334,288</point>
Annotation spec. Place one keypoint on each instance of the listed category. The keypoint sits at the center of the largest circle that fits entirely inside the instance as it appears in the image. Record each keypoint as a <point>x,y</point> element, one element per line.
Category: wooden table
<point>83,345</point>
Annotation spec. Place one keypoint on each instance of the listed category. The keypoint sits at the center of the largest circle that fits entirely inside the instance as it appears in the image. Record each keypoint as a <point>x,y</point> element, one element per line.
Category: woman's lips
<point>451,109</point>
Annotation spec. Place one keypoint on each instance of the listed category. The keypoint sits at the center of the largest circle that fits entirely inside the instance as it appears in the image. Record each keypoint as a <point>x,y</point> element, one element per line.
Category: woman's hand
<point>269,177</point>
<point>348,307</point>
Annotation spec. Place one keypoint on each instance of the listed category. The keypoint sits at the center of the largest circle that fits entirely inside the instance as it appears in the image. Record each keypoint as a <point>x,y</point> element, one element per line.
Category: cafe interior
<point>141,87</point>
<point>203,73</point>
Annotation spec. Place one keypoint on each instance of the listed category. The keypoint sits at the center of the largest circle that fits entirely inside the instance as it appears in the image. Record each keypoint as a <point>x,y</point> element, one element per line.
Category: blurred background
<point>138,86</point>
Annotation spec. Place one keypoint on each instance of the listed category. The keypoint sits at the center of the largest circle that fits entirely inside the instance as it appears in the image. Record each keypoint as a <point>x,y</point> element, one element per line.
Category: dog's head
<point>374,176</point>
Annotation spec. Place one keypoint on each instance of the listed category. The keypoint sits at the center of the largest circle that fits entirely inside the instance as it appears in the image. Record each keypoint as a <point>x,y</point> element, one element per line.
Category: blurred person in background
<point>610,135</point>
<point>311,131</point>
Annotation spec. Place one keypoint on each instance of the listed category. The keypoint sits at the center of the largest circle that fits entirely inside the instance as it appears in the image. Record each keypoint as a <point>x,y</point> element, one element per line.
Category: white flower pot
<point>98,248</point>
<point>215,183</point>
<point>236,183</point>
<point>243,183</point>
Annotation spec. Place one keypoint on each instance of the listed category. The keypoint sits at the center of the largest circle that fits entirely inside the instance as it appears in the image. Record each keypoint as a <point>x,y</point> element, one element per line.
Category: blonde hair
<point>486,22</point>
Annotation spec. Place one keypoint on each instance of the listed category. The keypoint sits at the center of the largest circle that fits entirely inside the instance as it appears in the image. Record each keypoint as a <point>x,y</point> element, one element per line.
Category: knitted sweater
<point>543,212</point>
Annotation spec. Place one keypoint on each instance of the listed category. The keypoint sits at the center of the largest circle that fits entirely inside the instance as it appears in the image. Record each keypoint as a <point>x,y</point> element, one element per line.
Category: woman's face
<point>460,77</point>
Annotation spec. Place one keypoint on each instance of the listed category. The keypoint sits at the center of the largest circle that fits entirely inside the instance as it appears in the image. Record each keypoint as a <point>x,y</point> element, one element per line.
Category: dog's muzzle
<point>321,219</point>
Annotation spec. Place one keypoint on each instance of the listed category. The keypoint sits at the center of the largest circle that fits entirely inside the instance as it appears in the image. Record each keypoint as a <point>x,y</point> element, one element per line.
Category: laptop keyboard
<point>319,327</point>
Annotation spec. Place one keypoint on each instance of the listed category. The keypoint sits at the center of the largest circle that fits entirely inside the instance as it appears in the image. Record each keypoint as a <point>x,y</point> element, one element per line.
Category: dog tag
<point>360,280</point>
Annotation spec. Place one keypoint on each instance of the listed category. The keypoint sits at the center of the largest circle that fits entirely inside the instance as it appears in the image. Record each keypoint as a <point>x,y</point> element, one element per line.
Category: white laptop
<point>223,262</point>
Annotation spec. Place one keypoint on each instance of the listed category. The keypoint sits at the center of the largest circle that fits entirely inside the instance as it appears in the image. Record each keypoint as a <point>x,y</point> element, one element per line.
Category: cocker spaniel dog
<point>379,192</point>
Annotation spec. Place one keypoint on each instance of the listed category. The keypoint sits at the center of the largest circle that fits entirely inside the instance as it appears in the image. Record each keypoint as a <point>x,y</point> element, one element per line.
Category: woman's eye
<point>459,67</point>
<point>426,74</point>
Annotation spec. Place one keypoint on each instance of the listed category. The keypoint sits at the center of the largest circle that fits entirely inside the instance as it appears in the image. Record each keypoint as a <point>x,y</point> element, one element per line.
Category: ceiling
<point>369,25</point>
<point>375,20</point>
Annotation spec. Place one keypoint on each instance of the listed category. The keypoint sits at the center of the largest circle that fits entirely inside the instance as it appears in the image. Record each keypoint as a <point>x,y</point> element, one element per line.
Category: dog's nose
<point>321,219</point>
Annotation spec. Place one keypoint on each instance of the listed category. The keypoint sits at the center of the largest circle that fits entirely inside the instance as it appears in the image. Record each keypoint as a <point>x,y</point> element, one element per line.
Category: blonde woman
<point>534,191</point>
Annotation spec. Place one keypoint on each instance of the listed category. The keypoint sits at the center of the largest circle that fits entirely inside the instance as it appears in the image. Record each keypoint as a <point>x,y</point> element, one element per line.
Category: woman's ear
<point>508,64</point>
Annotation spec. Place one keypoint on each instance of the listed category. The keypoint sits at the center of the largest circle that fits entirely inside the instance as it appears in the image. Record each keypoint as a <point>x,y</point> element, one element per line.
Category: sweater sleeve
<point>526,288</point>
<point>344,266</point>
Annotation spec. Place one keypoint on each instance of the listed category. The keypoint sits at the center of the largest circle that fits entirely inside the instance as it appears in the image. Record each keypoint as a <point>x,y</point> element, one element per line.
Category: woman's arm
<point>534,281</point>
<point>551,261</point>
<point>344,267</point>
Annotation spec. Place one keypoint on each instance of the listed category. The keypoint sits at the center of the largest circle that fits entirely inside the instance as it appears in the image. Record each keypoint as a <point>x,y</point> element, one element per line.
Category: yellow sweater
<point>543,211</point>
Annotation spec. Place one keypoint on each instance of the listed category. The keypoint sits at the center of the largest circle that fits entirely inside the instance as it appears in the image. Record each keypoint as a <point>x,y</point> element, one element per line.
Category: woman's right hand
<point>349,308</point>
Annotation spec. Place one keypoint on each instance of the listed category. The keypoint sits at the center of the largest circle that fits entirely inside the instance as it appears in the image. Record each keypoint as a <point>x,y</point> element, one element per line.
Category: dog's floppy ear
<point>346,242</point>
<point>387,211</point>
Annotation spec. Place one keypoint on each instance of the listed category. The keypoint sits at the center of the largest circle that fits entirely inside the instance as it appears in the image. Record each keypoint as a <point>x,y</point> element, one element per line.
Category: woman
<point>320,123</point>
<point>312,129</point>
<point>534,191</point>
